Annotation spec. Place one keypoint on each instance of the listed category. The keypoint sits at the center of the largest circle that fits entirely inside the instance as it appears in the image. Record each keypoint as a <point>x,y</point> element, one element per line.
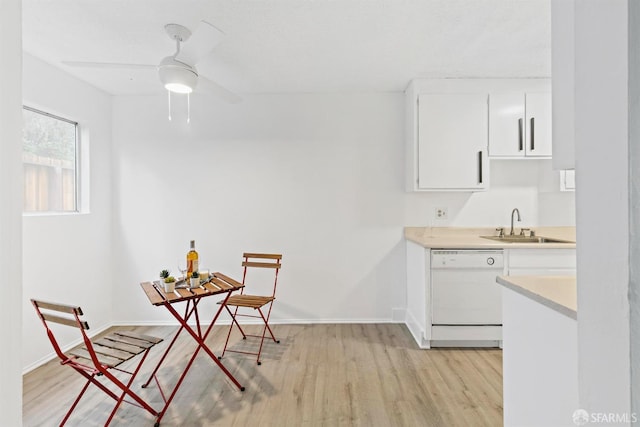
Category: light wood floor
<point>319,375</point>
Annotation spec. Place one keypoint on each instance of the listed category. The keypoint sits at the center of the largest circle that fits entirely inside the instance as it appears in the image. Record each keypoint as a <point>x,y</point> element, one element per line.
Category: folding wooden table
<point>219,284</point>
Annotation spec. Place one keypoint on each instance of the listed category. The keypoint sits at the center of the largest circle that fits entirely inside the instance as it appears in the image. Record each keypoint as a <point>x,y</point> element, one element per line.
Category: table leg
<point>187,315</point>
<point>201,345</point>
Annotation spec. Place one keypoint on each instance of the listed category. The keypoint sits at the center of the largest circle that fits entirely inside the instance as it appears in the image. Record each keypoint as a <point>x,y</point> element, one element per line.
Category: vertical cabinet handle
<point>520,142</point>
<point>533,133</point>
<point>479,167</point>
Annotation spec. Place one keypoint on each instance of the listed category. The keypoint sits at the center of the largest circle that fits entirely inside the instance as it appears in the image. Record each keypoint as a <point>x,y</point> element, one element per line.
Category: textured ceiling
<point>297,45</point>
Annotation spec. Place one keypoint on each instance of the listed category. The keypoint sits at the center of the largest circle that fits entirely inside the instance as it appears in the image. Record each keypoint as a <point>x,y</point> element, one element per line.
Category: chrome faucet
<point>511,233</point>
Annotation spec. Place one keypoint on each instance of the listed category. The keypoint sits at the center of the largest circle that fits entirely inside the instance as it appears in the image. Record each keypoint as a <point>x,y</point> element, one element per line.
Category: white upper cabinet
<point>538,137</point>
<point>519,124</point>
<point>453,126</point>
<point>452,141</point>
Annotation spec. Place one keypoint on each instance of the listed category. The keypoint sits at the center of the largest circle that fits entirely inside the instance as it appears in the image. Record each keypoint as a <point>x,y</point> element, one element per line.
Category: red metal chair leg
<point>264,331</point>
<point>228,333</point>
<point>233,321</point>
<point>126,390</point>
<point>75,403</point>
<point>91,379</point>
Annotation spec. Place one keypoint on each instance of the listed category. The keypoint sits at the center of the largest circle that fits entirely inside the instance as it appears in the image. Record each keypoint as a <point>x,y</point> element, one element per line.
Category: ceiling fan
<point>178,72</point>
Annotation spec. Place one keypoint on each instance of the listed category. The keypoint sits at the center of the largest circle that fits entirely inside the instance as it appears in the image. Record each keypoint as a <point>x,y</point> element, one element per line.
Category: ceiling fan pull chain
<point>169,97</point>
<point>188,107</point>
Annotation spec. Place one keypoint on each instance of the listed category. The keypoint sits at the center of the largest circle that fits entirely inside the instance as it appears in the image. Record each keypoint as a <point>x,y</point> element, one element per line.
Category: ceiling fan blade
<point>87,64</point>
<point>201,43</point>
<point>207,85</point>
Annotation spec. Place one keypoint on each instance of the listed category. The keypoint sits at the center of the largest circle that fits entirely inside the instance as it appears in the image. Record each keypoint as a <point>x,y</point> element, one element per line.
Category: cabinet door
<point>506,124</point>
<point>452,141</point>
<point>538,124</point>
<point>542,272</point>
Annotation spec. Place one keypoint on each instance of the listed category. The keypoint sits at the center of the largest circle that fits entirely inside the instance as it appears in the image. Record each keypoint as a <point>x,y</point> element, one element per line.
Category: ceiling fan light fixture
<point>176,76</point>
<point>178,88</point>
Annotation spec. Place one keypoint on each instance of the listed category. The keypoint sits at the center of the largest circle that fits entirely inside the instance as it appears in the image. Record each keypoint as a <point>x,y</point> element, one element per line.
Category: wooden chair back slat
<point>264,256</point>
<point>71,309</point>
<point>261,264</point>
<point>64,320</point>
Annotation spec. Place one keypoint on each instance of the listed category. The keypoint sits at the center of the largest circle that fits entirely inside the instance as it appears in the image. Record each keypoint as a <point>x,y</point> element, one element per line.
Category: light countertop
<point>556,292</point>
<point>469,238</point>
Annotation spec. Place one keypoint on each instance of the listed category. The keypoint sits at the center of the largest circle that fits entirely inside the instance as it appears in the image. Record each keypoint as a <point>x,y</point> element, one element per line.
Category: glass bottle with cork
<point>192,260</point>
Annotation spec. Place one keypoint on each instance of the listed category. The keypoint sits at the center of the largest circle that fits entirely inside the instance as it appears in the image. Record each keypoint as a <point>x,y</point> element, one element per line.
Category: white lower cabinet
<point>541,262</point>
<point>540,373</point>
<point>420,317</point>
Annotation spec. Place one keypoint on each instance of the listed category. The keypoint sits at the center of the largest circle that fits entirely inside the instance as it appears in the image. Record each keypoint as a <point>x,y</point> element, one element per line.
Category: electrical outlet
<point>442,213</point>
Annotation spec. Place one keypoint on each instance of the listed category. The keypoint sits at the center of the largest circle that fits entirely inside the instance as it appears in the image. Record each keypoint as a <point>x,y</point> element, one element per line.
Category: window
<point>49,158</point>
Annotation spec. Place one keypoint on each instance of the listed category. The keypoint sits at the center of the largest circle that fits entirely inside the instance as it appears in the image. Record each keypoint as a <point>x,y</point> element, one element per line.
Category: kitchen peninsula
<point>540,350</point>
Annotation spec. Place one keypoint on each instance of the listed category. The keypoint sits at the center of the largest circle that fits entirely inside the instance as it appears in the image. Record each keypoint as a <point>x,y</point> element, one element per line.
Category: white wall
<point>602,180</point>
<point>634,227</point>
<point>67,258</point>
<point>10,212</point>
<point>318,177</point>
<point>529,185</point>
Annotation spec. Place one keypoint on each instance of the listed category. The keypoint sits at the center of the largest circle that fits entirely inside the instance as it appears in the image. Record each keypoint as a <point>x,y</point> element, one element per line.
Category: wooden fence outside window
<point>49,184</point>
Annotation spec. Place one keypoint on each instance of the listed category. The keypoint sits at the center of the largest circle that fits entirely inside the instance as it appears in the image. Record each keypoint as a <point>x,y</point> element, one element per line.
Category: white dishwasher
<point>466,301</point>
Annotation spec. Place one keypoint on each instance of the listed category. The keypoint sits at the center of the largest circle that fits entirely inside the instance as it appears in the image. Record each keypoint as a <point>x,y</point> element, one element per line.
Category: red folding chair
<point>255,302</point>
<point>98,358</point>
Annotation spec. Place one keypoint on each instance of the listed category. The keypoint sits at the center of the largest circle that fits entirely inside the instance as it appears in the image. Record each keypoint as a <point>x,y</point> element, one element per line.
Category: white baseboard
<point>416,331</point>
<point>258,322</point>
<point>227,322</point>
<point>398,315</point>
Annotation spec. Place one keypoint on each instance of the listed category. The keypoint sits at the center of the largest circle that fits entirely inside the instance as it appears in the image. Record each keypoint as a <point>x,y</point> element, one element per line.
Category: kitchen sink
<point>525,239</point>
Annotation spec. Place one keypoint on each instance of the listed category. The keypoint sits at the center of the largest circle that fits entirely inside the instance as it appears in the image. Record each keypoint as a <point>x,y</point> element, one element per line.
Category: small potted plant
<point>163,275</point>
<point>195,279</point>
<point>168,281</point>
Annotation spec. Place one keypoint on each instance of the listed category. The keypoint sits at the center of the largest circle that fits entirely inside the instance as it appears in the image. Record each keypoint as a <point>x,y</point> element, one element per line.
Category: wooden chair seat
<point>251,301</point>
<point>117,347</point>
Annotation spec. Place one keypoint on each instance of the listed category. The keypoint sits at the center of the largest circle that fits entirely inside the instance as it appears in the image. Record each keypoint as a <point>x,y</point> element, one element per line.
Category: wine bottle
<point>192,260</point>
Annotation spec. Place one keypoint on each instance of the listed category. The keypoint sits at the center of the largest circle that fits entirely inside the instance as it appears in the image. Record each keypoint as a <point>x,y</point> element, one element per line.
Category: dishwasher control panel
<point>467,259</point>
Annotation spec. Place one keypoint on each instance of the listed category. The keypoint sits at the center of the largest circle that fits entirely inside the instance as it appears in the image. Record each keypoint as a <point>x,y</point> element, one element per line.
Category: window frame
<point>77,164</point>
